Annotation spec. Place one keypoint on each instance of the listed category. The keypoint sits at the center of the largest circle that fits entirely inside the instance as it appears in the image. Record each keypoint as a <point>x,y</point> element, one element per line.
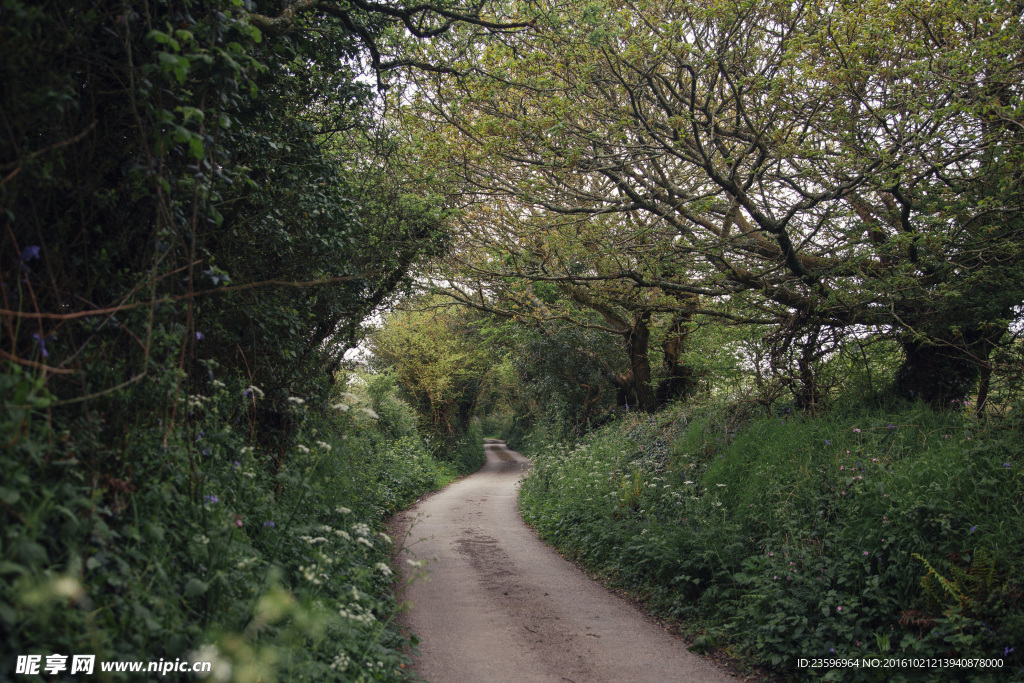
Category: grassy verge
<point>270,562</point>
<point>853,535</point>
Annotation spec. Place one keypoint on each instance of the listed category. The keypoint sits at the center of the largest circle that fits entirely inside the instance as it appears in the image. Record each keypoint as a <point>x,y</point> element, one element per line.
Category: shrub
<point>857,534</point>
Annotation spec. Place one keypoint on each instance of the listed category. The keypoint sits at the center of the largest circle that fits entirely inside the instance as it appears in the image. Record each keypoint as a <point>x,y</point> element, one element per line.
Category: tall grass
<point>855,534</point>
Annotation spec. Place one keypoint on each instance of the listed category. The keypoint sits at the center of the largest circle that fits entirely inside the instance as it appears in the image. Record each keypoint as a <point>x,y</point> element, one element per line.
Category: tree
<point>826,166</point>
<point>438,359</point>
<point>551,275</point>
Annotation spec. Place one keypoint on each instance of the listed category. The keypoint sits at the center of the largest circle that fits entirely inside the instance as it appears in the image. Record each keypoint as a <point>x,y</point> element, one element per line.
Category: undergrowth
<point>199,545</point>
<point>848,535</point>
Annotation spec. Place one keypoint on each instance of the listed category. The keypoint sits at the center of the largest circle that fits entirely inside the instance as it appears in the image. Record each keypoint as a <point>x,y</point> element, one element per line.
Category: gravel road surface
<point>498,605</point>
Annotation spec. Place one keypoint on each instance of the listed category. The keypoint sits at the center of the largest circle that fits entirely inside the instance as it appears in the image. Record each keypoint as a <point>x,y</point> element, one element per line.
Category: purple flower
<point>269,523</point>
<point>42,343</point>
<point>827,442</point>
<point>1006,464</point>
<point>199,335</point>
<point>972,529</point>
<point>30,253</point>
<point>1007,651</point>
<point>212,500</point>
<point>237,464</point>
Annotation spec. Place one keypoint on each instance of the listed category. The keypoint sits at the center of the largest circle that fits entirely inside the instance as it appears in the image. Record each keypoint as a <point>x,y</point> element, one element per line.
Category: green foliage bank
<point>862,533</point>
<point>198,209</point>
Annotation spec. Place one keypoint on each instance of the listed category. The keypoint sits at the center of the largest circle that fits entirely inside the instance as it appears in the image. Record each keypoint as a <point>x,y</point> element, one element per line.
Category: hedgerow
<point>209,551</point>
<point>864,534</point>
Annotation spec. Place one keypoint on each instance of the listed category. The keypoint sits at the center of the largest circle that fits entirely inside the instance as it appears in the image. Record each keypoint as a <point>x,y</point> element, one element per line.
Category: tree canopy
<point>824,166</point>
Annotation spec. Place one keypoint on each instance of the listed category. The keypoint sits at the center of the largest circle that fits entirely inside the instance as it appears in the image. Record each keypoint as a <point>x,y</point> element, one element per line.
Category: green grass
<point>273,562</point>
<point>860,534</point>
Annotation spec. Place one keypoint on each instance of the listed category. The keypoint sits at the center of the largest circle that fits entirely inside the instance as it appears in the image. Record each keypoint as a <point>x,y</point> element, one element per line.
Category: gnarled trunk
<point>634,385</point>
<point>943,373</point>
<point>679,378</point>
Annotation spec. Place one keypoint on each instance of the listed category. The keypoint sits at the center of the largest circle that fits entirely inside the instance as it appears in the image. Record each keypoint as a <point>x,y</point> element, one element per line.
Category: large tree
<point>833,166</point>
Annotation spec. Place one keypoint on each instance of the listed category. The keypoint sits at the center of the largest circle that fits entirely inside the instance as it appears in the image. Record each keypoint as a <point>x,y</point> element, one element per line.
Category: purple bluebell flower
<point>42,343</point>
<point>269,523</point>
<point>212,500</point>
<point>30,253</point>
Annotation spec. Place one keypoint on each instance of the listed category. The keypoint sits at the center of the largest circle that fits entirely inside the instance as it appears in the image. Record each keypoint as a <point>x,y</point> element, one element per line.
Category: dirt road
<point>499,605</point>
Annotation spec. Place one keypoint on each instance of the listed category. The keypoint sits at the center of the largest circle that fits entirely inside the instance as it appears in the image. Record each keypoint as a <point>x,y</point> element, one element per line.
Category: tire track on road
<point>497,604</point>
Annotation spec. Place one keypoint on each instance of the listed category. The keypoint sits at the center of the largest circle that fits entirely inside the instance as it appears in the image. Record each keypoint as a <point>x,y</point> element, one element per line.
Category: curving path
<point>499,605</point>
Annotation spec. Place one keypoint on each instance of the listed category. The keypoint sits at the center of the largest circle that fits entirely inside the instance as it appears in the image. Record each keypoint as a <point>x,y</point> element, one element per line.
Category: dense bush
<point>858,534</point>
<point>196,215</point>
<point>281,573</point>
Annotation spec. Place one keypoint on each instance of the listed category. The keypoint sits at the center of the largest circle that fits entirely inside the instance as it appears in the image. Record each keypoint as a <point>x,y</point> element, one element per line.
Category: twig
<point>179,297</point>
<point>49,148</point>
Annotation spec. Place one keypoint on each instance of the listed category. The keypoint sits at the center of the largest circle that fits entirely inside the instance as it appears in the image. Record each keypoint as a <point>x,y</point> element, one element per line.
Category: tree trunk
<point>941,374</point>
<point>679,378</point>
<point>635,388</point>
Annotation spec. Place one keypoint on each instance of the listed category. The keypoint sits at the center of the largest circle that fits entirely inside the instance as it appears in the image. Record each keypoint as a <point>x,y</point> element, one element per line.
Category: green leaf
<point>8,567</point>
<point>194,588</point>
<point>196,146</point>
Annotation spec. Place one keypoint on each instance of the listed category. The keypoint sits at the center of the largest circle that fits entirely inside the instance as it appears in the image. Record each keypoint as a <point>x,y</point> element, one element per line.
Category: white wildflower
<point>313,541</point>
<point>342,510</point>
<point>384,569</point>
<point>302,448</point>
<point>341,662</point>
<point>324,445</point>
<point>357,613</point>
<point>296,399</point>
<point>220,669</point>
<point>341,406</point>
